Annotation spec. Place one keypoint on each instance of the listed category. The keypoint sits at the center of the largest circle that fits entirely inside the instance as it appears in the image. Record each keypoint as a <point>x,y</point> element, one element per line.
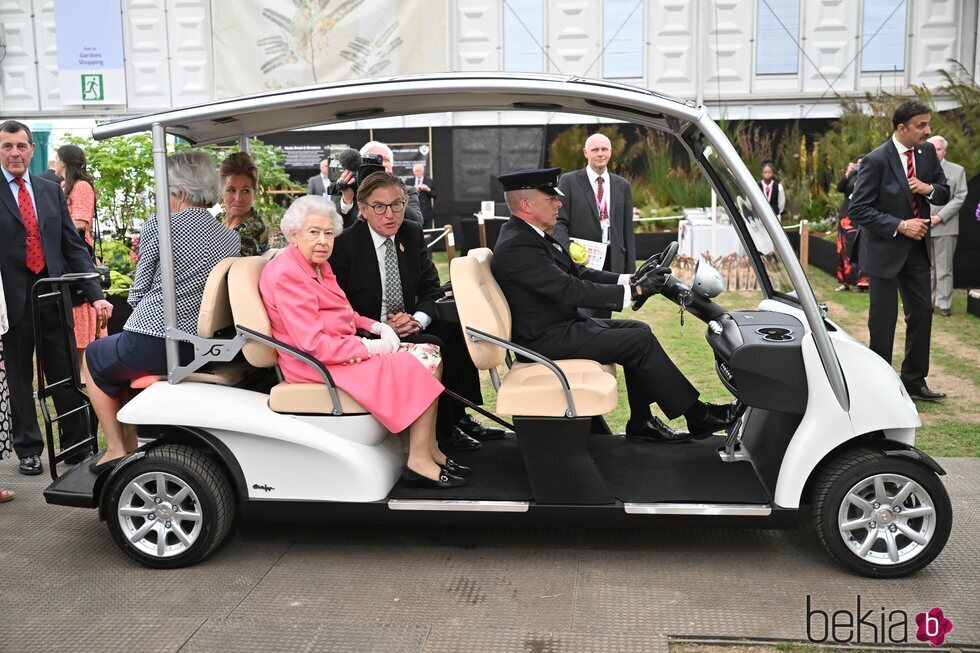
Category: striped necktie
<point>910,172</point>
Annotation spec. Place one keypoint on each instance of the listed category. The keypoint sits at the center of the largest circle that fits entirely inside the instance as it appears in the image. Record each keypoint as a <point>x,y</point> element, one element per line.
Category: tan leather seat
<point>528,389</point>
<point>249,312</point>
<point>214,316</point>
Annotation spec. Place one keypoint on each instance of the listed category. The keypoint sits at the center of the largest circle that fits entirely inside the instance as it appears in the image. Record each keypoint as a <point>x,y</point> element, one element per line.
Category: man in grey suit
<point>318,184</point>
<point>598,206</point>
<point>945,229</point>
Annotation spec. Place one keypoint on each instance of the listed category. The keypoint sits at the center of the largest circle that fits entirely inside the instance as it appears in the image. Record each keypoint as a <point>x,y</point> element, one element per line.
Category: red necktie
<point>603,211</point>
<point>910,172</point>
<point>35,255</point>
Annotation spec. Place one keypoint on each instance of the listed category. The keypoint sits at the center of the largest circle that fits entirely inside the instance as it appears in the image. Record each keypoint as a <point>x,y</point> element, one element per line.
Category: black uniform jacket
<point>882,199</point>
<point>545,289</point>
<point>355,262</point>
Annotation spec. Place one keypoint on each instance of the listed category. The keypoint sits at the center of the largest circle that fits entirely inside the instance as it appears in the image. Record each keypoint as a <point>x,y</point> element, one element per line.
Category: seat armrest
<point>302,355</point>
<point>476,334</point>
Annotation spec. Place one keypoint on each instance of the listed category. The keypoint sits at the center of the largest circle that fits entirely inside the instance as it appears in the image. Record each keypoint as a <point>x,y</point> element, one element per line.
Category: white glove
<point>387,334</point>
<point>376,347</point>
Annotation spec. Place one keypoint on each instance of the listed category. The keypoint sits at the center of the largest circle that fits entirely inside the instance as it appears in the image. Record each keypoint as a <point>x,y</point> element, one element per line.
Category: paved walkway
<point>64,586</point>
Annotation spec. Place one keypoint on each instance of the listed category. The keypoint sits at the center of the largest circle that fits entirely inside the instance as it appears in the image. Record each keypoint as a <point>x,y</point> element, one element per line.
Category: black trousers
<point>18,351</point>
<point>651,377</point>
<point>913,283</point>
<point>458,372</point>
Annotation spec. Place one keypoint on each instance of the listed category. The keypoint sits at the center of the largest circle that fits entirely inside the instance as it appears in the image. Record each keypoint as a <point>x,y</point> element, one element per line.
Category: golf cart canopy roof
<point>254,115</point>
<point>239,118</point>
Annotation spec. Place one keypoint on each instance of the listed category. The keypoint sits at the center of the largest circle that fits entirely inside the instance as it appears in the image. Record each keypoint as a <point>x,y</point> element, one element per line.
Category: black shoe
<point>454,468</point>
<point>444,482</point>
<point>718,417</point>
<point>923,393</point>
<point>97,468</point>
<point>458,440</point>
<point>30,465</point>
<point>653,430</point>
<point>945,312</point>
<point>475,429</point>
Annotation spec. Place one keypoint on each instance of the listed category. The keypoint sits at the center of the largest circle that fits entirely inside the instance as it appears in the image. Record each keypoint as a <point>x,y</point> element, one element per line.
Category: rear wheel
<point>170,509</point>
<point>881,516</point>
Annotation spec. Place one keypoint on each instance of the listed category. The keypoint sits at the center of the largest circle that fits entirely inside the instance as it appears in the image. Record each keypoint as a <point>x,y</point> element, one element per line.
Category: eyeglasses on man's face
<point>380,209</point>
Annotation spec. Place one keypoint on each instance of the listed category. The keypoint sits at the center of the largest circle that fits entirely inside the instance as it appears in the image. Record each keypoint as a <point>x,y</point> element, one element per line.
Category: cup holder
<point>775,334</point>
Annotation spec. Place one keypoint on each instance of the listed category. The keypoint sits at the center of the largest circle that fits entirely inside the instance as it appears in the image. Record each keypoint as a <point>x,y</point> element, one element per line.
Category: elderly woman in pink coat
<point>308,310</point>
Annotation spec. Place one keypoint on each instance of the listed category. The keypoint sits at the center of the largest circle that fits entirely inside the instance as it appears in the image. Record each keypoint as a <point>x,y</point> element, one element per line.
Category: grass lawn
<point>951,428</point>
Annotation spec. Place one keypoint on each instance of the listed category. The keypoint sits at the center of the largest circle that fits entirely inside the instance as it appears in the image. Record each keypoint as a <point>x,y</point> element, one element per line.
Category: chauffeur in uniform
<point>546,291</point>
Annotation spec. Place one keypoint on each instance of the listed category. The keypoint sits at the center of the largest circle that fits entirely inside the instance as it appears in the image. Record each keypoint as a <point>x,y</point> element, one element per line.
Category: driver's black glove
<point>649,284</point>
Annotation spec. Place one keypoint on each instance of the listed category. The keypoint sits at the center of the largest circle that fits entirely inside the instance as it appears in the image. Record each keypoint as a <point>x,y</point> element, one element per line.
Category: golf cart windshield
<point>757,238</point>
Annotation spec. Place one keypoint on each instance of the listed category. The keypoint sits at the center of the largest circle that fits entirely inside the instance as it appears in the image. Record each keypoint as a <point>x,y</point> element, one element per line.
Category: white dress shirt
<point>379,250</point>
<point>606,196</point>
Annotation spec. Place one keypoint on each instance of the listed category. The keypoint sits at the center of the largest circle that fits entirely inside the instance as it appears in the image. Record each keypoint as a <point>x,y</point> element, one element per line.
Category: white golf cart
<point>826,434</point>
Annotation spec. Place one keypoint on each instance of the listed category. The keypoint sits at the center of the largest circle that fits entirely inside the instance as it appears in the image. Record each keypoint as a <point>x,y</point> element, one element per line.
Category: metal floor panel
<point>64,586</point>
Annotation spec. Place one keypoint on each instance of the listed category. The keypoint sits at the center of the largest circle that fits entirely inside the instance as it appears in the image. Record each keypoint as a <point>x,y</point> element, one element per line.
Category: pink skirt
<point>86,323</point>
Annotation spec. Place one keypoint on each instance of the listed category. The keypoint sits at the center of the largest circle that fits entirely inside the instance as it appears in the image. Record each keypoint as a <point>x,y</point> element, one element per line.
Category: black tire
<point>856,470</point>
<point>202,517</point>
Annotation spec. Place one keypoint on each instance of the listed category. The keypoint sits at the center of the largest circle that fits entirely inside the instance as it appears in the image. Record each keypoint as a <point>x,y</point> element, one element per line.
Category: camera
<point>360,165</point>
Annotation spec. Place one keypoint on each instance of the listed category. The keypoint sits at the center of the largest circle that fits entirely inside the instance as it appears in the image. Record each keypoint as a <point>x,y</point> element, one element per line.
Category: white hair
<point>940,139</point>
<point>193,175</point>
<point>295,216</point>
<point>371,145</point>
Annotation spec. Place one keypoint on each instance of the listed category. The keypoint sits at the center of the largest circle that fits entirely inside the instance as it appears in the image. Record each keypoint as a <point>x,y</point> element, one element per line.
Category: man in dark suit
<point>345,201</point>
<point>427,193</point>
<point>405,298</point>
<point>545,290</point>
<point>318,184</point>
<point>890,203</point>
<point>39,241</point>
<point>597,205</point>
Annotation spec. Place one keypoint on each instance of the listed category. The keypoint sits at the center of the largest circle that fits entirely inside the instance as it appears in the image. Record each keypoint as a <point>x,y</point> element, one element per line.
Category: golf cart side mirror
<point>707,281</point>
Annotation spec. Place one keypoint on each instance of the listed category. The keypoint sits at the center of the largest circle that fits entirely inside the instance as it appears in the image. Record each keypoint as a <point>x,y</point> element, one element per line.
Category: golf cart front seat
<point>552,402</point>
<point>249,312</point>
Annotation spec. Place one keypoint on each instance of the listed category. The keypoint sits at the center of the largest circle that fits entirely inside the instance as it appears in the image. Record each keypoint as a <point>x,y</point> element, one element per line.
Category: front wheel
<point>170,509</point>
<point>881,516</point>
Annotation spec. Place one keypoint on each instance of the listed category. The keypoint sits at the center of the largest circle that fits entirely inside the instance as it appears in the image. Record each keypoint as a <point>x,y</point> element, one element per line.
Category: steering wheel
<point>664,258</point>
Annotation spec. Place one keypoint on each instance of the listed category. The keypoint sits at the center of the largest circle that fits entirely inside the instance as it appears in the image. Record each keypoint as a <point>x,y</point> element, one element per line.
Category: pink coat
<point>311,313</point>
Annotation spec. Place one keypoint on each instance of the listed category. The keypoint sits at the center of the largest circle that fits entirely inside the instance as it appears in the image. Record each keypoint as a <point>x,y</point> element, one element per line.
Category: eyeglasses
<point>381,209</point>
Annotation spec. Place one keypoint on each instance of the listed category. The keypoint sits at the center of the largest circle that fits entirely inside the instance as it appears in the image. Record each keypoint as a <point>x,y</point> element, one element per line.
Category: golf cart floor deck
<point>637,472</point>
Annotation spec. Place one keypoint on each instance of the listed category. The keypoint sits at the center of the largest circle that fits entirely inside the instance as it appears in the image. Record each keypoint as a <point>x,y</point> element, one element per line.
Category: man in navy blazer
<point>33,209</point>
<point>357,263</point>
<point>890,203</point>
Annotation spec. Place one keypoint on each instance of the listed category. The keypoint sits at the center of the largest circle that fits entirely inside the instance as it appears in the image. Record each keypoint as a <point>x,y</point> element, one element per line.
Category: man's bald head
<point>597,151</point>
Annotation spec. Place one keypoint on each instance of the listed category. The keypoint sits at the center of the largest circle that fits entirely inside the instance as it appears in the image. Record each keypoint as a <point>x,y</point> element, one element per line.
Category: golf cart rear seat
<point>249,315</point>
<point>215,317</point>
<point>552,402</point>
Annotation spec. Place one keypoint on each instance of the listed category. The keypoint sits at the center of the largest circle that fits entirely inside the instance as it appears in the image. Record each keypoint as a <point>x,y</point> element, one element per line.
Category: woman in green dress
<point>239,181</point>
